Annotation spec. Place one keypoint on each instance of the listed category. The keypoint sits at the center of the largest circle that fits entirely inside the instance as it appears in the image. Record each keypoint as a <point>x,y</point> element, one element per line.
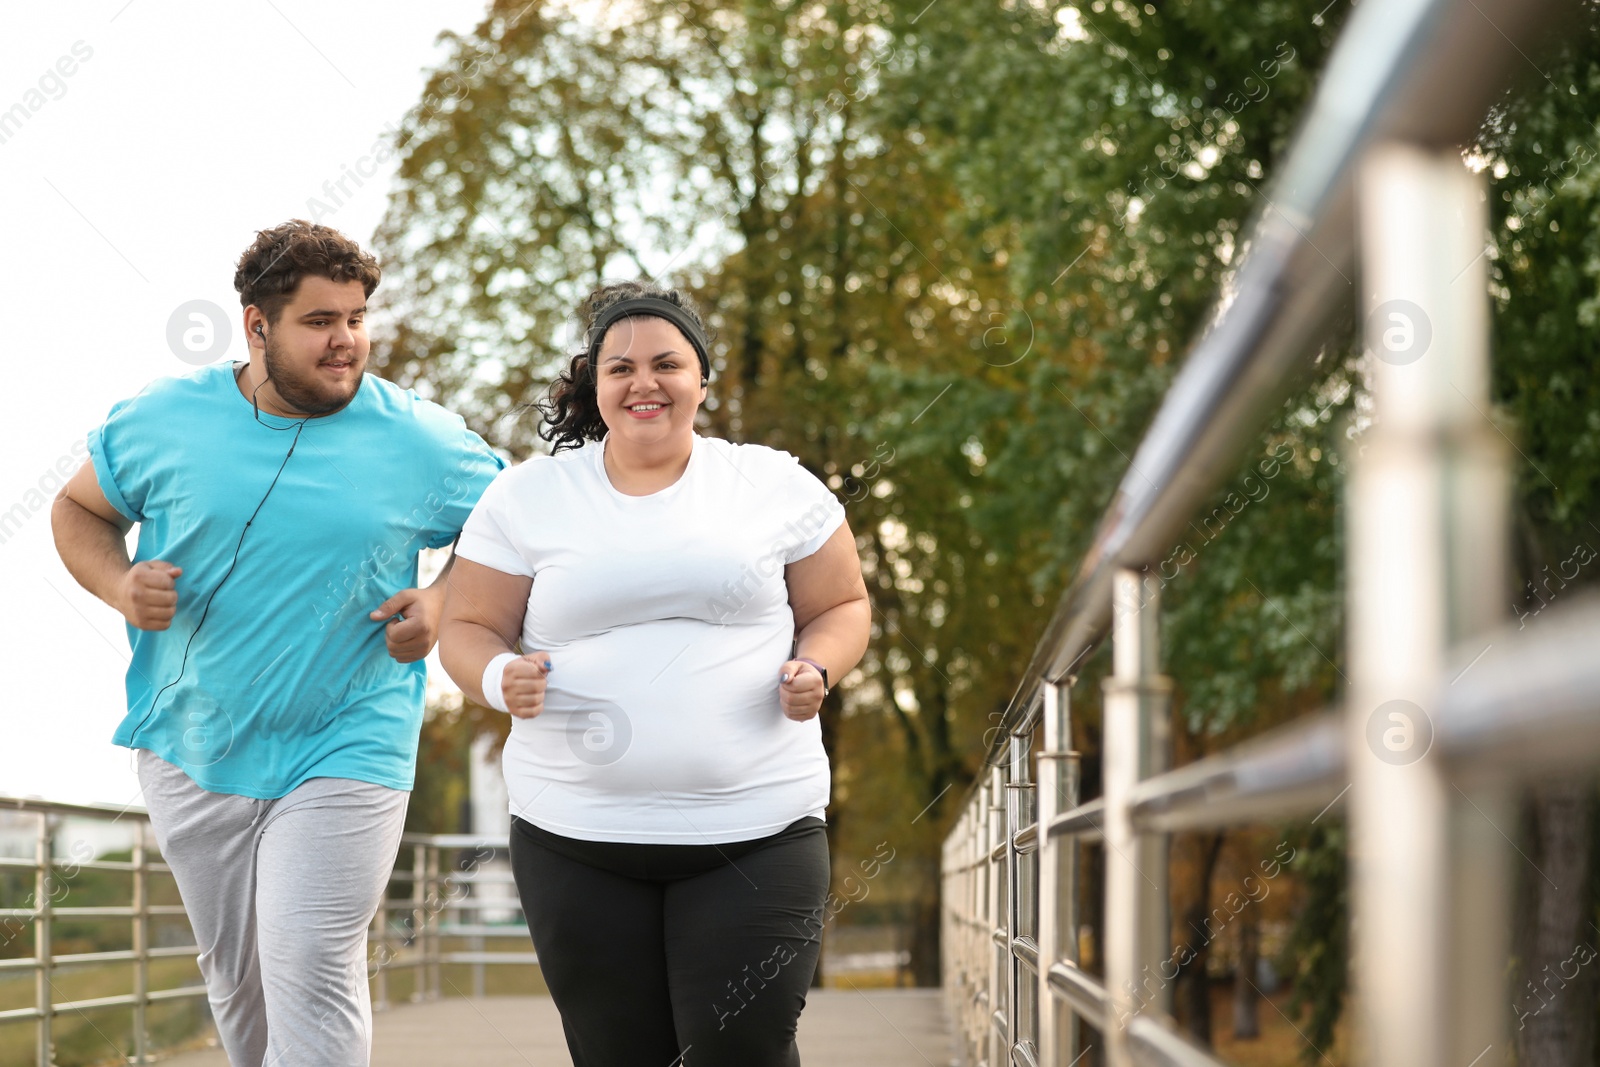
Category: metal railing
<point>1378,158</point>
<point>407,933</point>
<point>441,895</point>
<point>48,906</point>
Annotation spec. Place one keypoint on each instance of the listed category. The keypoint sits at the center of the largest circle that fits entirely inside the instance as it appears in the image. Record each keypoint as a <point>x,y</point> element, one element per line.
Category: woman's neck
<point>639,471</point>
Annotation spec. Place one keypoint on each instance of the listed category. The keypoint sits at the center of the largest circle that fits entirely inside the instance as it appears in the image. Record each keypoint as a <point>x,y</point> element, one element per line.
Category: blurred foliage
<point>1541,148</point>
<point>441,797</point>
<point>1319,944</point>
<point>952,252</point>
<point>1122,149</point>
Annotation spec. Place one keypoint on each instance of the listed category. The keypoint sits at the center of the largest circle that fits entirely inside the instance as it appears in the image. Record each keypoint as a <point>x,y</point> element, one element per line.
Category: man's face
<point>317,350</point>
<point>648,385</point>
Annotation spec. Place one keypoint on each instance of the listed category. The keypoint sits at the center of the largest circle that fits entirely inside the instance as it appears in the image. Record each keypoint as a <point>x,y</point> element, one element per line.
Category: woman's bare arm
<point>832,616</point>
<point>483,613</point>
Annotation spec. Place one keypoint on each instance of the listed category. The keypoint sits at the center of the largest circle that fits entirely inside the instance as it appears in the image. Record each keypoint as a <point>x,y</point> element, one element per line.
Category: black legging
<point>696,955</point>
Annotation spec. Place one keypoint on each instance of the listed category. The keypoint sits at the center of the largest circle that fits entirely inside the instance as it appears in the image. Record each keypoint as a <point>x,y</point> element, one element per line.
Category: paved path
<point>840,1028</point>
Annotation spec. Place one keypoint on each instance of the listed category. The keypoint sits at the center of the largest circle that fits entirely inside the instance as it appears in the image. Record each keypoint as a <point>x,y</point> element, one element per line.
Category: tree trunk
<point>1246,1016</point>
<point>925,934</point>
<point>1194,985</point>
<point>1553,999</point>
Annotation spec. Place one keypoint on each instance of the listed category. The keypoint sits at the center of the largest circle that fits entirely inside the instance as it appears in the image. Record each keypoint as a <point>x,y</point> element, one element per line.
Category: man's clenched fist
<point>411,637</point>
<point>148,594</point>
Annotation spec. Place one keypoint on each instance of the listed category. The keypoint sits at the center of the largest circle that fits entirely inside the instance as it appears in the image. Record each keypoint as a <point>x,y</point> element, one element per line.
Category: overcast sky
<point>142,144</point>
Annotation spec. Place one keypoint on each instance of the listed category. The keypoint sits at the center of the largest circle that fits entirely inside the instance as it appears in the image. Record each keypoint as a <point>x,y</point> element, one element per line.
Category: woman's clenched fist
<point>522,684</point>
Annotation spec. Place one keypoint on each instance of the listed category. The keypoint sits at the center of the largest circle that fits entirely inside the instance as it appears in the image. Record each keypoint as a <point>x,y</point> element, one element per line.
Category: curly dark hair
<point>570,412</point>
<point>270,269</point>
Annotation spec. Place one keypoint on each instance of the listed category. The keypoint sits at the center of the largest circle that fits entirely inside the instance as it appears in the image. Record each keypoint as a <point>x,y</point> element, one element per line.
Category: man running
<point>276,688</point>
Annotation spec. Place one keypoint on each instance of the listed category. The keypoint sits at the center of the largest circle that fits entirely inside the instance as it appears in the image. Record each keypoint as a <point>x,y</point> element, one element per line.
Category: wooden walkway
<point>840,1028</point>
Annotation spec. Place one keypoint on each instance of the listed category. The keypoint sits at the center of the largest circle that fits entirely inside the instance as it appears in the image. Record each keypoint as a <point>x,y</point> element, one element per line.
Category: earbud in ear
<point>260,334</point>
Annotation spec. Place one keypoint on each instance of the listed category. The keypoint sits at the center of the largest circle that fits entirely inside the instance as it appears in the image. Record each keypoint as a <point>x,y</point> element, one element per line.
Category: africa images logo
<point>599,732</point>
<point>1399,732</point>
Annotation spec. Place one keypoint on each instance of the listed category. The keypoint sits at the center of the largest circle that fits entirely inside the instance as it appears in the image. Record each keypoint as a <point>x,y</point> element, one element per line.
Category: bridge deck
<point>840,1028</point>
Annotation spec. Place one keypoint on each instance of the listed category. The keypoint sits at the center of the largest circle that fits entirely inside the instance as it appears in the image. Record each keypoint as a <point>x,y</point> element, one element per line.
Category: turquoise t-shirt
<point>288,679</point>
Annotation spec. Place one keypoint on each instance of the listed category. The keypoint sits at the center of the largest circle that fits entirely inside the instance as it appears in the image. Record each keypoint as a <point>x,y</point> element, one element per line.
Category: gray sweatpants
<point>280,894</point>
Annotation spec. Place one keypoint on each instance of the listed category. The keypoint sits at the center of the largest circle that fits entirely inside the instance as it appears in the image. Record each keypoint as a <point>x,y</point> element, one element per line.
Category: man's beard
<point>304,393</point>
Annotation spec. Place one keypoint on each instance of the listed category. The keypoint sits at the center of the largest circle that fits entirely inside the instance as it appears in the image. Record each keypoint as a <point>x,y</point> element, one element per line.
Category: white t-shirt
<point>666,618</point>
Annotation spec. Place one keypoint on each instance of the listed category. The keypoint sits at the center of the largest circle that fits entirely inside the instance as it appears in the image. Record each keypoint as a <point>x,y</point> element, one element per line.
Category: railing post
<point>380,976</point>
<point>976,1013</point>
<point>957,900</point>
<point>437,910</point>
<point>1427,552</point>
<point>980,950</point>
<point>1058,938</point>
<point>995,917</point>
<point>975,874</point>
<point>141,944</point>
<point>1136,746</point>
<point>471,903</point>
<point>419,922</point>
<point>1022,1015</point>
<point>42,888</point>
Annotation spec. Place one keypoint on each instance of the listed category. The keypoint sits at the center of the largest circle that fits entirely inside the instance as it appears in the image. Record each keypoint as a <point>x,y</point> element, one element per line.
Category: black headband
<point>648,305</point>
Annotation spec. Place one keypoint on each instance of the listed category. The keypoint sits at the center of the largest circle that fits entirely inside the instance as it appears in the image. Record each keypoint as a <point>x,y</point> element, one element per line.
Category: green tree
<point>1122,149</point>
<point>732,148</point>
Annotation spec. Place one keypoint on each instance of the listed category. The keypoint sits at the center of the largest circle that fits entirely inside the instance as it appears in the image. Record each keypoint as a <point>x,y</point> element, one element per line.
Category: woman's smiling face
<point>647,381</point>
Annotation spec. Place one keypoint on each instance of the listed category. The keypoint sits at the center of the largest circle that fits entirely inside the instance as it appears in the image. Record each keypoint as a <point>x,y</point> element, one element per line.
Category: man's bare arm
<point>422,609</point>
<point>91,539</point>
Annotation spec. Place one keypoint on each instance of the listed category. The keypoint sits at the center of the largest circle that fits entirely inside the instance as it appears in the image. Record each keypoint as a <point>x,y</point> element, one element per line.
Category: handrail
<point>1426,70</point>
<point>1296,768</point>
<point>43,806</point>
<point>1532,695</point>
<point>1531,702</point>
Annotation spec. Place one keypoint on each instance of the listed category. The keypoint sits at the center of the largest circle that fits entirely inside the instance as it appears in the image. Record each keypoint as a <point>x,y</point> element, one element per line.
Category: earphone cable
<point>206,611</point>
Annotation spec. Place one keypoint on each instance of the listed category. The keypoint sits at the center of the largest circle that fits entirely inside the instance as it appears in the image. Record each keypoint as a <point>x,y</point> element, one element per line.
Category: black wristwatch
<point>820,670</point>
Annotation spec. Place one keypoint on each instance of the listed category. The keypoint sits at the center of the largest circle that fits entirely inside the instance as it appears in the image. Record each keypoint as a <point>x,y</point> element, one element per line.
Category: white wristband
<point>491,680</point>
